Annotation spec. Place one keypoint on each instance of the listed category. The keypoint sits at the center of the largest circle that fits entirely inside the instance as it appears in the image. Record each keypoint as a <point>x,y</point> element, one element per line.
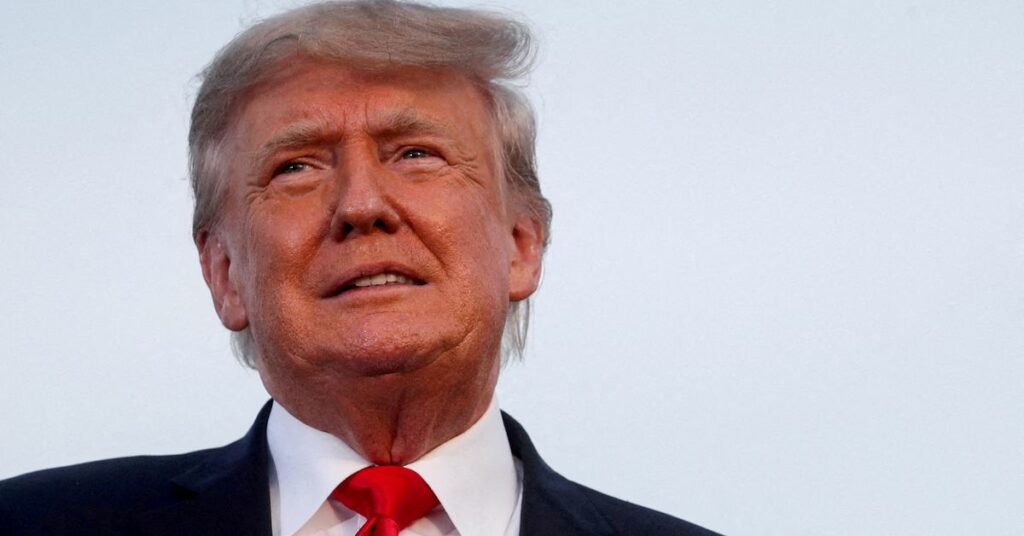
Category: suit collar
<point>552,505</point>
<point>225,493</point>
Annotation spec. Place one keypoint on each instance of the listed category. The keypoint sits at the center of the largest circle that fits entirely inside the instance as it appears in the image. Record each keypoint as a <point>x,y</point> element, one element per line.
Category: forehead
<point>304,93</point>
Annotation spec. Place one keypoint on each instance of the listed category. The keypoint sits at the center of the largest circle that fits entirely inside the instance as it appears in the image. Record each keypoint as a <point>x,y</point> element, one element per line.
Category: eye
<point>290,167</point>
<point>415,152</point>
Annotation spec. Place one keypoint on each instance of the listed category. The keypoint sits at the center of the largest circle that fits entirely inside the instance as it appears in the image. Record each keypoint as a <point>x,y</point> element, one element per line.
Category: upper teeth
<point>381,279</point>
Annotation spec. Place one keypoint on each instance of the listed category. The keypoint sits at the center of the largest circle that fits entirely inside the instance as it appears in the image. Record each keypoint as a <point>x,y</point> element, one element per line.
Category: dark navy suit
<point>224,491</point>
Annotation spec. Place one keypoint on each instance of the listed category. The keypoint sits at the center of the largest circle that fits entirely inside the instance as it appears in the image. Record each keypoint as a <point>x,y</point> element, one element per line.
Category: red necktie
<point>390,497</point>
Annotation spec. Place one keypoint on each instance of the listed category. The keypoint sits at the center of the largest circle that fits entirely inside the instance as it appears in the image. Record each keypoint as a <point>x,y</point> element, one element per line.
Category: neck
<point>391,419</point>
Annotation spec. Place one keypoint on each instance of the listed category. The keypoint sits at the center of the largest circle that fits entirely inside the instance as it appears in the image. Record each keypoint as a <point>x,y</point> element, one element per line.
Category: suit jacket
<point>224,491</point>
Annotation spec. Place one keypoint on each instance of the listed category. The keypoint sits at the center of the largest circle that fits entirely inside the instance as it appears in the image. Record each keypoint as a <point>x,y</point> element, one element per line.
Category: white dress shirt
<point>474,475</point>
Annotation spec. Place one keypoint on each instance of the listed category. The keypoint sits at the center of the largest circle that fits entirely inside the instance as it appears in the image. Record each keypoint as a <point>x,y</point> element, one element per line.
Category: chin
<point>377,355</point>
<point>377,362</point>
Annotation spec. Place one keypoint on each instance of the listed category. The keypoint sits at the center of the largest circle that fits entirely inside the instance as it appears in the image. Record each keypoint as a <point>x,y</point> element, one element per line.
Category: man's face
<point>365,227</point>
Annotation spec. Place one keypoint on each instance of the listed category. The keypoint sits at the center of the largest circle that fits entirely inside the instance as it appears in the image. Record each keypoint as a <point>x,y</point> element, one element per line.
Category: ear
<point>527,256</point>
<point>216,263</point>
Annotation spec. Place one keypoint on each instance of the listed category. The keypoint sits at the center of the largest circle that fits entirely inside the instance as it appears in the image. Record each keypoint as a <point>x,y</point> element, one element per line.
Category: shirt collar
<point>474,476</point>
<point>309,464</point>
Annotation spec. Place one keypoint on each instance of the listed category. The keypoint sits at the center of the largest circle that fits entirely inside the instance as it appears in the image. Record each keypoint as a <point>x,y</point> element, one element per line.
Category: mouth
<point>375,278</point>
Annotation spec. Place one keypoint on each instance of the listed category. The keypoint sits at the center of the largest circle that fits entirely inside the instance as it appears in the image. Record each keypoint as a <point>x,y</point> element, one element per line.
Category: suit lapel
<point>226,493</point>
<point>552,505</point>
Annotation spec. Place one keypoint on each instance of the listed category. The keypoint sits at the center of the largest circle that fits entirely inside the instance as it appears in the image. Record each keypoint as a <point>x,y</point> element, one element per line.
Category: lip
<point>346,281</point>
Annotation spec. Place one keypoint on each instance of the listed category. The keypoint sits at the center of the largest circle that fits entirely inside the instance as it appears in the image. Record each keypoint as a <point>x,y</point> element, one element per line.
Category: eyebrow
<point>320,131</point>
<point>409,121</point>
<point>303,133</point>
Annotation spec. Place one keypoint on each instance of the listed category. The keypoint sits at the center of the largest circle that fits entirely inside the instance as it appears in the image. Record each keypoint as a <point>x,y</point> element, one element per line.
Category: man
<point>369,223</point>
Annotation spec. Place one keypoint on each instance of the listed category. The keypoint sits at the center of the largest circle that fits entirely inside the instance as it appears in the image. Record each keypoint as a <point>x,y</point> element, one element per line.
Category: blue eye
<point>415,153</point>
<point>290,167</point>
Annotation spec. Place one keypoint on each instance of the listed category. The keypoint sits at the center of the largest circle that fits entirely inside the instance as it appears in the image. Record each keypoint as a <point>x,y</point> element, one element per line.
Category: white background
<point>785,292</point>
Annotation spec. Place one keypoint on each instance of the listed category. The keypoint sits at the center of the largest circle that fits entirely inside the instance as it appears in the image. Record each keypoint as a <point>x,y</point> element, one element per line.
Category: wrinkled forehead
<point>309,102</point>
<point>306,98</point>
<point>399,94</point>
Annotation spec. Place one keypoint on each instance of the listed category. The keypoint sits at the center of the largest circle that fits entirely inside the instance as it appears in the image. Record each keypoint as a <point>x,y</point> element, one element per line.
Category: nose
<point>364,206</point>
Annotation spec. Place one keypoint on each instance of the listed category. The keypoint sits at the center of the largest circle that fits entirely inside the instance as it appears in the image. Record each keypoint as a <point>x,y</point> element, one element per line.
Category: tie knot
<point>390,492</point>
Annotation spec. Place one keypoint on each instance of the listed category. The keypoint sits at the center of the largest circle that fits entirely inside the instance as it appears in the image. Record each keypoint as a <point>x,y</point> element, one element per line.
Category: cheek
<point>282,239</point>
<point>474,243</point>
